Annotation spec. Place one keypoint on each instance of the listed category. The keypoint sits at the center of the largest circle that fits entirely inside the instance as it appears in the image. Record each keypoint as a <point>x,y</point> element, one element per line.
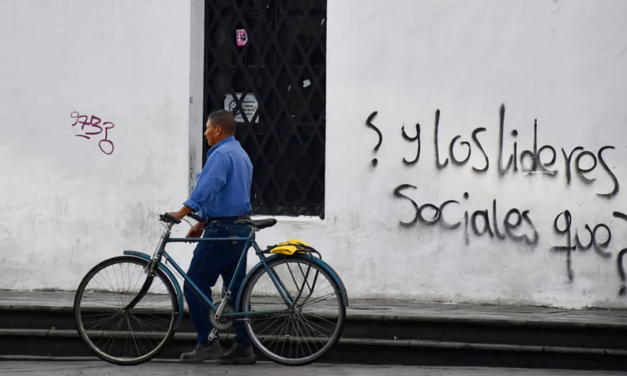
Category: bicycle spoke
<point>319,317</point>
<point>124,290</point>
<point>126,337</point>
<point>150,329</point>
<point>113,288</point>
<point>278,336</point>
<point>286,329</point>
<point>270,323</point>
<point>152,326</point>
<point>99,283</point>
<point>102,321</point>
<point>159,318</point>
<point>312,295</point>
<point>137,280</point>
<point>109,280</point>
<point>311,326</point>
<point>307,342</point>
<point>294,335</point>
<point>111,338</point>
<point>317,300</point>
<point>117,285</point>
<point>136,342</point>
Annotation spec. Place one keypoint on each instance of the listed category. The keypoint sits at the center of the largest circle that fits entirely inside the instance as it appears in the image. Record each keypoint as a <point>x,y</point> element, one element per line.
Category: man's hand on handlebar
<point>197,230</point>
<point>181,213</point>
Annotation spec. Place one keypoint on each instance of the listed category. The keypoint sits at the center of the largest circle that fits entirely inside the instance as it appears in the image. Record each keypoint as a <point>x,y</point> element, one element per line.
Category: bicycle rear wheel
<point>113,330</point>
<point>301,333</point>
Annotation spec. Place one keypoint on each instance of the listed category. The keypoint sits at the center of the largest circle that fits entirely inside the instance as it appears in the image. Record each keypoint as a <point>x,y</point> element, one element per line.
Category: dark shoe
<point>201,353</point>
<point>240,355</point>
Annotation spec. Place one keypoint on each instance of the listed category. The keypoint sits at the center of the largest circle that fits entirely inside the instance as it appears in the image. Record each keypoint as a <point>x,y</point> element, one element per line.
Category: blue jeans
<point>211,260</point>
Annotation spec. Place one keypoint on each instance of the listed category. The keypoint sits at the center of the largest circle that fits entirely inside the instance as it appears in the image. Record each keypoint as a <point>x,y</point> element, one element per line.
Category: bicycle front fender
<point>173,280</point>
<point>308,257</point>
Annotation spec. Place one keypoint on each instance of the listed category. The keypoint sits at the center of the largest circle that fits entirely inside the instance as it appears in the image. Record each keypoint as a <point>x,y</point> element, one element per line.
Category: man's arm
<point>185,210</point>
<point>211,181</point>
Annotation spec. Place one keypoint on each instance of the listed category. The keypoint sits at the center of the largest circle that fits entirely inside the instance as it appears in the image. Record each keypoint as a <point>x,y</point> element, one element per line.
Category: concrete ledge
<point>46,345</point>
<point>417,318</point>
<point>34,333</point>
<point>41,324</point>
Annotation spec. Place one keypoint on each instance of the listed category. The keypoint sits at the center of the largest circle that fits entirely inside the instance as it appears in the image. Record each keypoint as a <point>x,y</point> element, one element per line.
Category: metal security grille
<point>265,60</point>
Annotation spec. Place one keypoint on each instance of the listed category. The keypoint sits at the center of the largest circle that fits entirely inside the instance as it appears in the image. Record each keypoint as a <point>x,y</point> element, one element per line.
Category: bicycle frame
<point>160,253</point>
<point>222,316</point>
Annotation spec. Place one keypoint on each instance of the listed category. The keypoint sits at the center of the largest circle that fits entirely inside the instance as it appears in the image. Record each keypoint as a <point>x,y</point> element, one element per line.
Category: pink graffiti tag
<point>94,127</point>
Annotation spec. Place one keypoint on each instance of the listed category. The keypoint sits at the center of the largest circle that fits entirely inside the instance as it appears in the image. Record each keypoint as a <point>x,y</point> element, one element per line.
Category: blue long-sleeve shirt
<point>223,187</point>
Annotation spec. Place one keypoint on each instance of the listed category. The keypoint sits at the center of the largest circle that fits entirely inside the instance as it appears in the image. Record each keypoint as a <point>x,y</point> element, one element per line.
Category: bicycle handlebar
<point>195,217</point>
<point>167,218</point>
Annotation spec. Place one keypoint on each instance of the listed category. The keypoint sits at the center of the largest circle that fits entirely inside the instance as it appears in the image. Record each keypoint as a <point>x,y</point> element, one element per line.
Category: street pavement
<point>161,368</point>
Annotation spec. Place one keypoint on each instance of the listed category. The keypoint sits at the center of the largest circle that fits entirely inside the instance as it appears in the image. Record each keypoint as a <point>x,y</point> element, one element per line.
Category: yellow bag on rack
<point>290,247</point>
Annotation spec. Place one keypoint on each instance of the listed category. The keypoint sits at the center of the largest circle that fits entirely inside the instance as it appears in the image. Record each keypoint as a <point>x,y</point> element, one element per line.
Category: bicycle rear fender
<point>315,260</point>
<point>175,283</point>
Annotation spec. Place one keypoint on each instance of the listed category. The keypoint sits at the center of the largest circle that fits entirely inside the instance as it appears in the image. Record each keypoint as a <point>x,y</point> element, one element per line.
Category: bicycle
<point>132,324</point>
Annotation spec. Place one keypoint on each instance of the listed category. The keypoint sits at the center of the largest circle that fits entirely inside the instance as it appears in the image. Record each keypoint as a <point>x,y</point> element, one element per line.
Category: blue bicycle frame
<point>155,262</point>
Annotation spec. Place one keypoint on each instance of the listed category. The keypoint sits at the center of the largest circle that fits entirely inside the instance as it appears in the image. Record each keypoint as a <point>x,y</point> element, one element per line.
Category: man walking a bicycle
<point>221,197</point>
<point>291,305</point>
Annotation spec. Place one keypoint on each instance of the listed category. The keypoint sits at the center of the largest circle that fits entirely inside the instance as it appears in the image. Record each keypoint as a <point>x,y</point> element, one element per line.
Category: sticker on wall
<point>242,37</point>
<point>249,105</point>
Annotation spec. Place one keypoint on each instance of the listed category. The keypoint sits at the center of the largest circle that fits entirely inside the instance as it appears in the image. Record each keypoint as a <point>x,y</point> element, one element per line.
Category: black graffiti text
<point>480,222</point>
<point>578,242</point>
<point>534,160</point>
<point>451,148</point>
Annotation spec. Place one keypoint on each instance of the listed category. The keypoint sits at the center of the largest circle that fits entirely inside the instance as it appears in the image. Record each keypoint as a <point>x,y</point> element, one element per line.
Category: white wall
<point>64,205</point>
<point>563,63</point>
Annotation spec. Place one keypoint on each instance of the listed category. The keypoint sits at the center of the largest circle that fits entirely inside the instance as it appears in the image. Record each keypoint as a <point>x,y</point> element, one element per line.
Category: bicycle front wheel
<point>303,331</point>
<point>124,315</point>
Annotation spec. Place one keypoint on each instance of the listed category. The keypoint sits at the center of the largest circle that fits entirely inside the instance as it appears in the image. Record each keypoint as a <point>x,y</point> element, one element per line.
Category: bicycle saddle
<point>259,223</point>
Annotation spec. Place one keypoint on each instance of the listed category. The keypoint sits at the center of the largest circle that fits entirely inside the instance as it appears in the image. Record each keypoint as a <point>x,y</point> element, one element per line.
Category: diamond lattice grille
<point>283,65</point>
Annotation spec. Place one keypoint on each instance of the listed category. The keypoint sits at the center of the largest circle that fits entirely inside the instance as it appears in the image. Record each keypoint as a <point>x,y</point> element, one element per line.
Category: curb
<point>399,318</point>
<point>364,342</point>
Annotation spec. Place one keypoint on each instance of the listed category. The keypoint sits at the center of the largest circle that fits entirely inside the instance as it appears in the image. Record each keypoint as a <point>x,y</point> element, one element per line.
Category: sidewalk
<point>41,324</point>
<point>387,310</point>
